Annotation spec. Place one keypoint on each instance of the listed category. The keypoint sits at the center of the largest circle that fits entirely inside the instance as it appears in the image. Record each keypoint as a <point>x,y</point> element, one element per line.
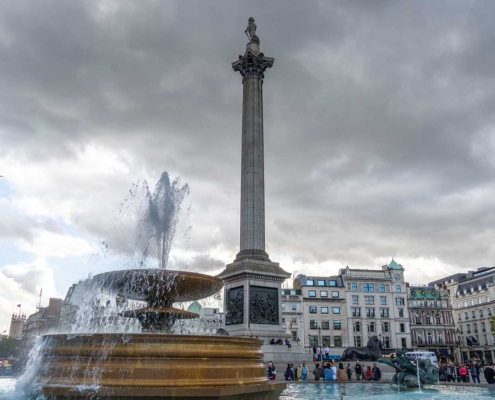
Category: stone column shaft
<point>252,178</point>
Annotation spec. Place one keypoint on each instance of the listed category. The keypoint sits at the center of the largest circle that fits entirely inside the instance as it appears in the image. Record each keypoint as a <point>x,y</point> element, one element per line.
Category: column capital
<point>252,64</point>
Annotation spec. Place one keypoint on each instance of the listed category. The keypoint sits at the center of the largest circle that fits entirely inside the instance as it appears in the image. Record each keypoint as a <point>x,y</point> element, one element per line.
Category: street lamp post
<point>309,343</point>
<point>459,338</point>
<point>319,336</point>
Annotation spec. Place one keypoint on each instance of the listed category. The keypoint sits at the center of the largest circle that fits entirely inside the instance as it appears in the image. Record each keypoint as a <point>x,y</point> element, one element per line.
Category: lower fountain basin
<point>116,365</point>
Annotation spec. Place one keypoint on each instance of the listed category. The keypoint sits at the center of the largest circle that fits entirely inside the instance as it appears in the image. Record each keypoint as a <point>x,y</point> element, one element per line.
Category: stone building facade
<point>324,312</point>
<point>376,305</point>
<point>431,320</point>
<point>292,313</point>
<point>473,301</point>
<point>17,325</point>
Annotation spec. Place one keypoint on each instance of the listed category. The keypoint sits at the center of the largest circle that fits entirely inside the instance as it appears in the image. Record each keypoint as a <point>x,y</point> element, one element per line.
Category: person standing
<point>377,373</point>
<point>463,373</point>
<point>318,353</point>
<point>316,372</point>
<point>329,374</point>
<point>490,373</point>
<point>304,371</point>
<point>475,372</point>
<point>314,353</point>
<point>450,372</point>
<point>359,371</point>
<point>327,353</point>
<point>272,372</point>
<point>289,373</point>
<point>349,371</point>
<point>341,372</point>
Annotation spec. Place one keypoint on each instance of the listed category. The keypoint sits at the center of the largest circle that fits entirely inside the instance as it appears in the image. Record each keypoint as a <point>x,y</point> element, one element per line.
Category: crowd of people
<point>471,371</point>
<point>330,372</point>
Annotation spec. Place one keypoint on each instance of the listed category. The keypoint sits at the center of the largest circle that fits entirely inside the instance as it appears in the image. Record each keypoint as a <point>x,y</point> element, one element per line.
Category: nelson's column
<point>252,281</point>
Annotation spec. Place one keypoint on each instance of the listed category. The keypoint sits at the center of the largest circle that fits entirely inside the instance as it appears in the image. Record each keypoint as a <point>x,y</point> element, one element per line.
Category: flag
<point>18,305</point>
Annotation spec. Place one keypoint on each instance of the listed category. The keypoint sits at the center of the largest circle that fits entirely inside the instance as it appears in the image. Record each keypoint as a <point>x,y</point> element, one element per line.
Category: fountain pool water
<point>309,391</point>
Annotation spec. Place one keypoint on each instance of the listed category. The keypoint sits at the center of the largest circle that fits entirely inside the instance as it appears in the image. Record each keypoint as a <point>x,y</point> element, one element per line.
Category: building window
<point>310,282</point>
<point>381,288</point>
<point>283,306</point>
<point>313,340</point>
<point>355,299</point>
<point>357,341</point>
<point>418,318</point>
<point>354,287</point>
<point>335,295</point>
<point>403,342</point>
<point>468,328</point>
<point>312,293</point>
<point>401,313</point>
<point>398,289</point>
<point>338,341</point>
<point>293,307</point>
<point>325,325</point>
<point>383,300</point>
<point>371,327</point>
<point>325,340</point>
<point>466,315</point>
<point>403,328</point>
<point>313,310</point>
<point>324,310</point>
<point>420,338</point>
<point>475,327</point>
<point>337,325</point>
<point>384,312</point>
<point>313,324</point>
<point>336,310</point>
<point>323,293</point>
<point>438,319</point>
<point>370,312</point>
<point>428,320</point>
<point>429,337</point>
<point>292,292</point>
<point>368,287</point>
<point>356,312</point>
<point>485,339</point>
<point>321,283</point>
<point>459,317</point>
<point>332,283</point>
<point>473,314</point>
<point>385,327</point>
<point>440,338</point>
<point>386,342</point>
<point>483,326</point>
<point>369,300</point>
<point>399,301</point>
<point>481,313</point>
<point>356,326</point>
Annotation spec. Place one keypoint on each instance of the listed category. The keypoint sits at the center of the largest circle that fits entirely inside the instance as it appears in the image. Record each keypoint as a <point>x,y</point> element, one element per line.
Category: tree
<point>9,347</point>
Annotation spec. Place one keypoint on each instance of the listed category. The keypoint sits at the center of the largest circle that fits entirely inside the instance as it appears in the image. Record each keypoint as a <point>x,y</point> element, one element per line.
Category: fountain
<point>154,363</point>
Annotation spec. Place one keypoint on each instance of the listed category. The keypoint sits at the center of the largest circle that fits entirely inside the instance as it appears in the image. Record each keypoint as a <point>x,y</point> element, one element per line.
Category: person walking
<point>359,371</point>
<point>463,373</point>
<point>377,373</point>
<point>349,372</point>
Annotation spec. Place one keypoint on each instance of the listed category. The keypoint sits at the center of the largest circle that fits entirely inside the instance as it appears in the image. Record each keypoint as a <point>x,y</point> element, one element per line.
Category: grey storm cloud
<point>379,122</point>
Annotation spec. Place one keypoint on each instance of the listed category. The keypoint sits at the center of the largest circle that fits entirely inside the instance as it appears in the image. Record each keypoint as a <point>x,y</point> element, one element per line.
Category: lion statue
<point>372,351</point>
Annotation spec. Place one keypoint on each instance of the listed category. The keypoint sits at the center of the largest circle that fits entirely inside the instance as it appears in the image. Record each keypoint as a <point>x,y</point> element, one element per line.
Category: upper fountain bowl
<point>159,287</point>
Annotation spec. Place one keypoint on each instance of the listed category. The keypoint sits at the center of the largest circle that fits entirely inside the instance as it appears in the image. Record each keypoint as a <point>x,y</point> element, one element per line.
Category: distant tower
<point>252,281</point>
<point>16,326</point>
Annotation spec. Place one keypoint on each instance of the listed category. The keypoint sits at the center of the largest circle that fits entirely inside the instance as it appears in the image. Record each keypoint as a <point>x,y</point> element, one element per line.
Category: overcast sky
<point>379,133</point>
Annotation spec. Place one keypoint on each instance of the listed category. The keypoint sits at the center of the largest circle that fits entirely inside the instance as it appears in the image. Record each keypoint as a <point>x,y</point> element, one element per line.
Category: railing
<point>436,343</point>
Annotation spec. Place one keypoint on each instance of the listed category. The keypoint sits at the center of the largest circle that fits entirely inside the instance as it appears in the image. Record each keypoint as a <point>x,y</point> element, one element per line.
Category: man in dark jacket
<point>359,371</point>
<point>377,374</point>
<point>490,374</point>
